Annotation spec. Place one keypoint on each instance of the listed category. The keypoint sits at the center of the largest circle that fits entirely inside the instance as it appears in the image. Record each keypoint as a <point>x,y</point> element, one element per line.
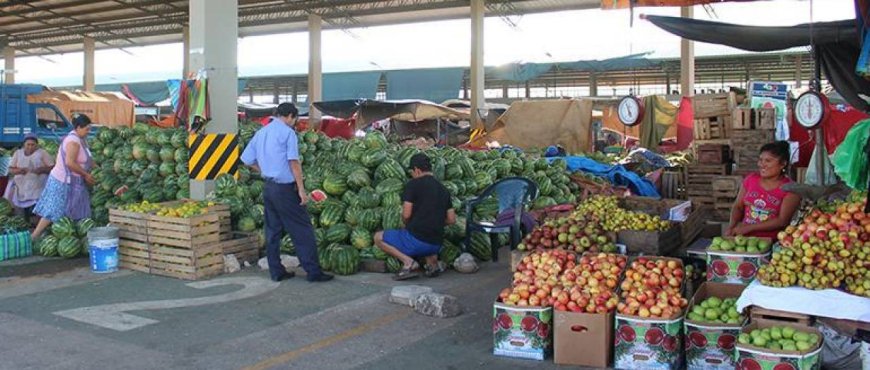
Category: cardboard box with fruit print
<point>649,319</point>
<point>522,332</point>
<point>712,326</point>
<point>736,259</point>
<point>778,345</point>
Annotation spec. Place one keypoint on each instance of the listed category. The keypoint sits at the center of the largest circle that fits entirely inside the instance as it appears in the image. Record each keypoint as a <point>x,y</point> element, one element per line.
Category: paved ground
<point>146,321</point>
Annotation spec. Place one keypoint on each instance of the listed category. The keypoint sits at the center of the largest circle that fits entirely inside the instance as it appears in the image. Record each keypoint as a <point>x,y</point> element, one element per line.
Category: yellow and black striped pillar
<point>212,155</point>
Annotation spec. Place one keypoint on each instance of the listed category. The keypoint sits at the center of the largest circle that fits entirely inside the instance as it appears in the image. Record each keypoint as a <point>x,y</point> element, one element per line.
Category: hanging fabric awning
<point>350,85</point>
<point>435,85</point>
<point>836,45</point>
<point>623,4</point>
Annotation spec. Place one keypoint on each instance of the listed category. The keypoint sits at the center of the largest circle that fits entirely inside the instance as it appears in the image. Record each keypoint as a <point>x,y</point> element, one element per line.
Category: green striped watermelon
<point>338,233</point>
<point>373,157</point>
<point>335,185</point>
<point>393,264</point>
<point>331,215</point>
<point>391,200</point>
<point>480,246</point>
<point>392,218</point>
<point>359,178</point>
<point>361,238</point>
<point>65,227</point>
<point>47,246</point>
<point>69,247</point>
<point>370,219</point>
<point>368,198</point>
<point>449,252</point>
<point>390,186</point>
<point>345,260</point>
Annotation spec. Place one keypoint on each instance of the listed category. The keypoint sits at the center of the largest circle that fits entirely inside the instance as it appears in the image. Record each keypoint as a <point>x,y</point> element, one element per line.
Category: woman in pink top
<point>66,192</point>
<point>762,208</point>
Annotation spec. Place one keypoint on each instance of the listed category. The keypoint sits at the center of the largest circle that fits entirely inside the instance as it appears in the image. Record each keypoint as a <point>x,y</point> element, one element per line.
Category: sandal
<point>431,271</point>
<point>407,273</point>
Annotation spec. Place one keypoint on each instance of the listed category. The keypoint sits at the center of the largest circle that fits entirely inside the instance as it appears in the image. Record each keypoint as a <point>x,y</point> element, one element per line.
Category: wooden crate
<point>652,243</point>
<point>765,118</point>
<point>245,246</point>
<point>204,261</point>
<point>714,105</point>
<point>741,118</point>
<point>674,184</point>
<point>714,154</point>
<point>184,248</point>
<point>712,128</point>
<point>758,313</point>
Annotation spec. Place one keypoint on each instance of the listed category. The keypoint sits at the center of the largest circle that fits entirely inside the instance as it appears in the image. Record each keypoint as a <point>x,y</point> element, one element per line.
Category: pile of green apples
<point>781,338</point>
<point>716,310</point>
<point>741,244</point>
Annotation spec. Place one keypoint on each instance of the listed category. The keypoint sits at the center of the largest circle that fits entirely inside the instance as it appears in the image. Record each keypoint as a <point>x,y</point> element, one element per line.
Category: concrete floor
<point>344,324</point>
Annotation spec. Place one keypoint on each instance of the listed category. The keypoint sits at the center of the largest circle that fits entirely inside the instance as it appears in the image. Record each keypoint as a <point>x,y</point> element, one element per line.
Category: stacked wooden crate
<point>725,189</point>
<point>713,115</point>
<point>185,248</point>
<point>746,144</point>
<point>700,182</point>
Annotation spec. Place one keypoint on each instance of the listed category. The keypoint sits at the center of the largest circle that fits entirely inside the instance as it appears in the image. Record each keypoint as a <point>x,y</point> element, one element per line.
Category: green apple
<point>774,346</point>
<point>752,242</point>
<point>696,317</point>
<point>733,313</point>
<point>726,245</point>
<point>744,338</point>
<point>712,314</point>
<point>752,249</point>
<point>732,320</point>
<point>801,337</point>
<point>802,346</point>
<point>714,247</point>
<point>814,338</point>
<point>740,241</point>
<point>714,302</point>
<point>717,241</point>
<point>775,333</point>
<point>788,332</point>
<point>740,249</point>
<point>789,346</point>
<point>698,310</point>
<point>763,245</point>
<point>759,341</point>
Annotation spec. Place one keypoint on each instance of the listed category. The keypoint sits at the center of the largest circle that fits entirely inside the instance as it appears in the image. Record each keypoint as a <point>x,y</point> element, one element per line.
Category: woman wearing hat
<point>66,193</point>
<point>29,167</point>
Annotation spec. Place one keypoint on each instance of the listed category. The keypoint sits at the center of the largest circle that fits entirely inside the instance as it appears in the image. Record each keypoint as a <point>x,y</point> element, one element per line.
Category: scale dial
<point>811,109</point>
<point>630,111</point>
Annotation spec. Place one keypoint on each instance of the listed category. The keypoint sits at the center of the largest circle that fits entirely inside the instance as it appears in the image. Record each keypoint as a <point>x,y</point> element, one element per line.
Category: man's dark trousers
<point>284,214</point>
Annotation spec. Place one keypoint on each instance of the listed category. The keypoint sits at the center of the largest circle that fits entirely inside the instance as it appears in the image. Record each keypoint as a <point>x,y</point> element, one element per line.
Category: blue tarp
<point>522,72</point>
<point>617,175</point>
<point>149,93</point>
<point>350,85</point>
<point>435,85</point>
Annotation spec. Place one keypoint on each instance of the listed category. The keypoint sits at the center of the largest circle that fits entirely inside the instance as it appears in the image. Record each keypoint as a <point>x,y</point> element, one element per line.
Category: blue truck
<point>19,117</point>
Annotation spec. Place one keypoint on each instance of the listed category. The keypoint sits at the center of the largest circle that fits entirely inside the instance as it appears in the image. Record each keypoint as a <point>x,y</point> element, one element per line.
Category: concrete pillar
<point>528,90</point>
<point>315,71</point>
<point>687,58</point>
<point>250,94</point>
<point>593,84</point>
<point>185,45</point>
<point>294,96</point>
<point>9,65</point>
<point>88,80</point>
<point>477,71</point>
<point>213,49</point>
<point>667,82</point>
<point>504,91</point>
<point>464,89</point>
<point>799,72</point>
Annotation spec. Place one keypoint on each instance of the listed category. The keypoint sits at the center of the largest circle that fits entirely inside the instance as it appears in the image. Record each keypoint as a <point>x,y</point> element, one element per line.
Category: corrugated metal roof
<point>39,27</point>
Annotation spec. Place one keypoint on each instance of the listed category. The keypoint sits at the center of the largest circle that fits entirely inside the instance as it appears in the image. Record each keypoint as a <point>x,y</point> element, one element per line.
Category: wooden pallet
<point>245,246</point>
<point>674,184</point>
<point>753,118</point>
<point>712,128</point>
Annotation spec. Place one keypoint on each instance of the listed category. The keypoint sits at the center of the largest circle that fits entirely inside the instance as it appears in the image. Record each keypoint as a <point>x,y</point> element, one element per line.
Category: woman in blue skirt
<point>66,192</point>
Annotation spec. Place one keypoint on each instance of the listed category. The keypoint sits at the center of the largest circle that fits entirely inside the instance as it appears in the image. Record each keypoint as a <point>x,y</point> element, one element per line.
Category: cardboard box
<point>751,357</point>
<point>710,346</point>
<point>522,332</point>
<point>516,257</point>
<point>643,343</point>
<point>734,267</point>
<point>583,339</point>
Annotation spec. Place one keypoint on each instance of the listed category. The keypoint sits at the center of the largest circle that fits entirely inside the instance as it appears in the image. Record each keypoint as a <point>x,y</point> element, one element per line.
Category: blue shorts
<point>408,244</point>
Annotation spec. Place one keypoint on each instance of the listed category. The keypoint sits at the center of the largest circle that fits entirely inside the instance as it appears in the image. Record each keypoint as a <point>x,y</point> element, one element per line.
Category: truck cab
<point>18,117</point>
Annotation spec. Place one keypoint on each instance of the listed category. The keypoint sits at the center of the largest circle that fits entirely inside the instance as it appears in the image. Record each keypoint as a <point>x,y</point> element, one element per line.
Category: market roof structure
<point>41,27</point>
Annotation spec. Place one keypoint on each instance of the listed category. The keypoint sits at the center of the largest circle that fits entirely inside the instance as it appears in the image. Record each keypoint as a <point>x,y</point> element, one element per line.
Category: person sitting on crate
<point>426,210</point>
<point>66,192</point>
<point>29,167</point>
<point>763,208</point>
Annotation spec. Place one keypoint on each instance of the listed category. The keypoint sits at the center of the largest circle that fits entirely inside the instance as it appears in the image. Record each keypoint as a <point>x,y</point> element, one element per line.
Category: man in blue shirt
<point>274,153</point>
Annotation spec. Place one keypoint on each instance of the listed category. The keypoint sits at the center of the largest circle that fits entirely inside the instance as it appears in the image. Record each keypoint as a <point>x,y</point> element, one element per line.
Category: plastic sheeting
<point>522,72</point>
<point>147,93</point>
<point>617,175</point>
<point>435,85</point>
<point>350,85</point>
<point>825,303</point>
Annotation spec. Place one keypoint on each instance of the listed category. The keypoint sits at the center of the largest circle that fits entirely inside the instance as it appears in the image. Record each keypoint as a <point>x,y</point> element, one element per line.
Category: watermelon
<point>338,233</point>
<point>345,260</point>
<point>368,198</point>
<point>480,246</point>
<point>47,246</point>
<point>179,139</point>
<point>390,186</point>
<point>389,169</point>
<point>370,219</point>
<point>360,238</point>
<point>393,265</point>
<point>83,226</point>
<point>332,214</point>
<point>449,253</point>
<point>167,154</point>
<point>373,158</point>
<point>358,178</point>
<point>65,227</point>
<point>351,215</point>
<point>320,237</point>
<point>287,245</point>
<point>335,185</point>
<point>247,224</point>
<point>69,247</point>
<point>391,200</point>
<point>379,254</point>
<point>375,140</point>
<point>392,218</point>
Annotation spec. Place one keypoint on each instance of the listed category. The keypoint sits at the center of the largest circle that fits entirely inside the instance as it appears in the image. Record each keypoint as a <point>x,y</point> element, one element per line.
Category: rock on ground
<point>231,264</point>
<point>437,305</point>
<point>287,260</point>
<point>406,294</point>
<point>465,264</point>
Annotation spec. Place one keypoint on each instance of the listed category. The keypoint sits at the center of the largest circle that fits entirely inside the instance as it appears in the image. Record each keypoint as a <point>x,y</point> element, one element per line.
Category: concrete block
<point>437,305</point>
<point>406,294</point>
<point>289,261</point>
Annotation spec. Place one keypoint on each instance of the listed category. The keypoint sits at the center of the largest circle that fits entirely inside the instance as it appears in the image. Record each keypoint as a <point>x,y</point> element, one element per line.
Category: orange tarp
<point>104,108</point>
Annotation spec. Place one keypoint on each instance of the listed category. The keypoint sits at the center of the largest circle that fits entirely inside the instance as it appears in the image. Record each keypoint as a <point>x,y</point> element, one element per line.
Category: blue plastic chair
<point>513,193</point>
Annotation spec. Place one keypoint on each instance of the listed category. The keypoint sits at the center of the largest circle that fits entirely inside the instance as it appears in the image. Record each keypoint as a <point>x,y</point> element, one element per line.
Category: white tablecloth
<point>825,303</point>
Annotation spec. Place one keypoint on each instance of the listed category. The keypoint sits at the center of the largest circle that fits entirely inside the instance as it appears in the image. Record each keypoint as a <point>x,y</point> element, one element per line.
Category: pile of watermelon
<point>66,239</point>
<point>151,162</point>
<point>9,222</point>
<point>364,179</point>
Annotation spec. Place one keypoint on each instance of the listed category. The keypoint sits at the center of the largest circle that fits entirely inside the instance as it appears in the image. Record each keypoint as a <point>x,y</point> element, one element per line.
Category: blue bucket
<point>103,248</point>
